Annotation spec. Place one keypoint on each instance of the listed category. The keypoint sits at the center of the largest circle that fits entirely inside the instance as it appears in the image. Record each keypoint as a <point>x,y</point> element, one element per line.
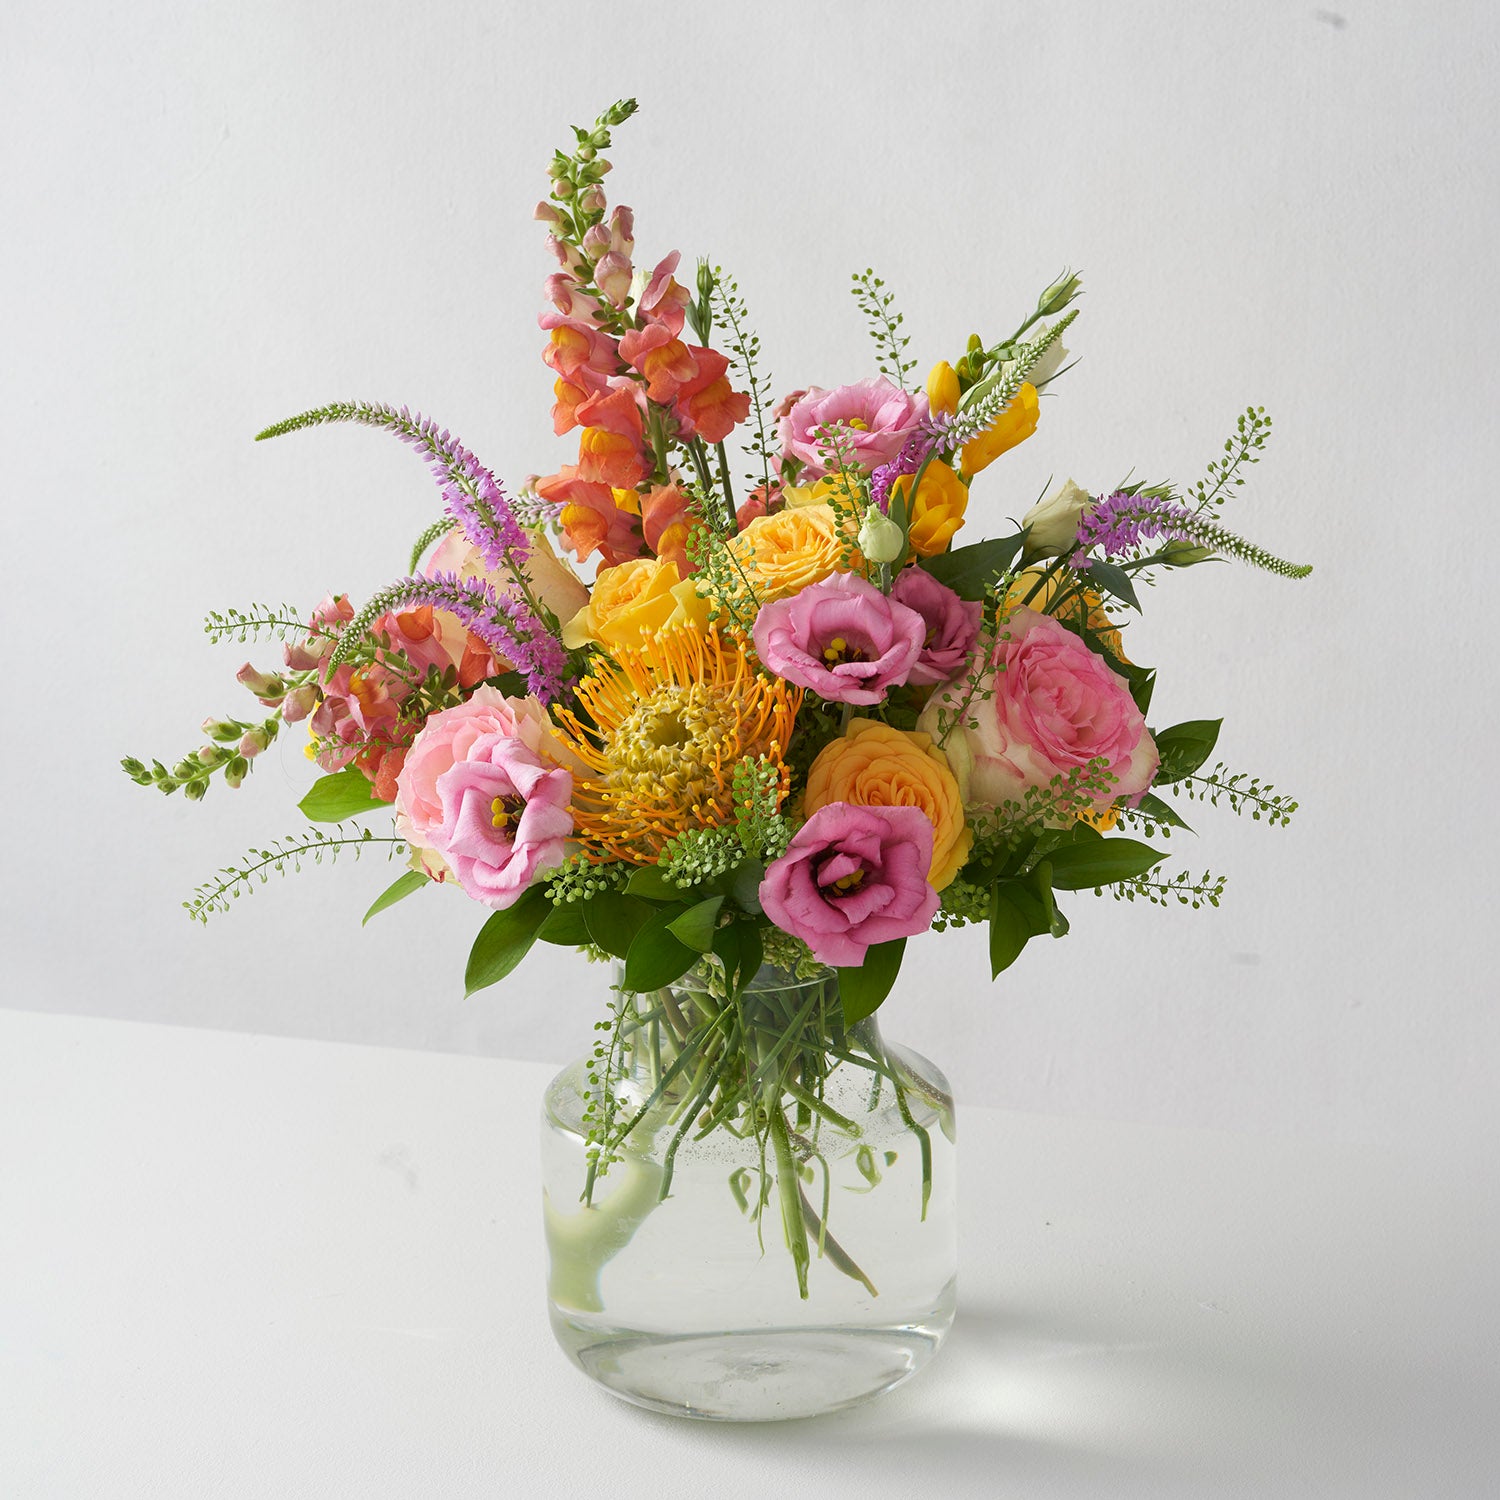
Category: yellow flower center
<point>837,650</point>
<point>505,810</point>
<point>858,424</point>
<point>671,744</point>
<point>850,882</point>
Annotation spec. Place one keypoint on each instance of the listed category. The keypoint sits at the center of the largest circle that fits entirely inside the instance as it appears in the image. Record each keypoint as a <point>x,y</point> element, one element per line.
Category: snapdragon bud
<point>266,686</point>
<point>235,771</point>
<point>254,742</point>
<point>622,230</point>
<point>881,540</point>
<point>549,215</point>
<point>591,200</point>
<point>613,277</point>
<point>194,790</point>
<point>222,730</point>
<point>596,241</point>
<point>211,755</point>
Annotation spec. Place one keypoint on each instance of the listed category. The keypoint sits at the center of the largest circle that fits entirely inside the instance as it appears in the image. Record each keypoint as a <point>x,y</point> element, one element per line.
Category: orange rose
<point>784,553</point>
<point>874,765</point>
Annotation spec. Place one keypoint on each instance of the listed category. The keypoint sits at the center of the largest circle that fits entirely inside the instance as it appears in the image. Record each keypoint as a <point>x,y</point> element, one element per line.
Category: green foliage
<point>578,879</point>
<point>1240,792</point>
<point>439,528</point>
<point>1252,431</point>
<point>743,348</point>
<point>657,957</point>
<point>732,599</point>
<point>698,855</point>
<point>279,622</point>
<point>696,926</point>
<point>762,829</point>
<point>339,795</point>
<point>1182,888</point>
<point>1100,861</point>
<point>613,920</point>
<point>962,903</point>
<point>399,890</point>
<point>862,990</point>
<point>972,572</point>
<point>504,940</point>
<point>289,853</point>
<point>878,306</point>
<point>1184,747</point>
<point>986,400</point>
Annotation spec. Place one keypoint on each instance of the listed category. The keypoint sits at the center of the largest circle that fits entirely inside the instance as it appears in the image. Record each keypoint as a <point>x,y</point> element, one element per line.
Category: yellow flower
<point>942,388</point>
<point>874,765</point>
<point>660,731</point>
<point>641,597</point>
<point>628,500</point>
<point>785,552</point>
<point>1014,425</point>
<point>938,510</point>
<point>1077,608</point>
<point>830,489</point>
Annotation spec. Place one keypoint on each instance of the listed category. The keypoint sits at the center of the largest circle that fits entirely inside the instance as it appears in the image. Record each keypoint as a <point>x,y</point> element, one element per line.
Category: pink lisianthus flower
<point>875,419</point>
<point>1045,706</point>
<point>842,638</point>
<point>952,625</point>
<point>852,877</point>
<point>483,786</point>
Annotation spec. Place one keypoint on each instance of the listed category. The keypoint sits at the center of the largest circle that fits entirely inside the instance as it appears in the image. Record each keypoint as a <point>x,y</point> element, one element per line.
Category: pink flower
<point>840,637</point>
<point>483,787</point>
<point>875,419</point>
<point>551,580</point>
<point>952,625</point>
<point>1045,706</point>
<point>853,876</point>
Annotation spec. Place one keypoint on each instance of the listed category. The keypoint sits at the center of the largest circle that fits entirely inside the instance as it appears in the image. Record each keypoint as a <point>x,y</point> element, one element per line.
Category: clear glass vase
<point>749,1207</point>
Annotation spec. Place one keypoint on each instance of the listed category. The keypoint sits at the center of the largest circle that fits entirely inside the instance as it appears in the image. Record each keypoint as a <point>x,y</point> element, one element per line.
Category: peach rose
<point>874,765</point>
<point>793,548</point>
<point>555,584</point>
<point>1045,706</point>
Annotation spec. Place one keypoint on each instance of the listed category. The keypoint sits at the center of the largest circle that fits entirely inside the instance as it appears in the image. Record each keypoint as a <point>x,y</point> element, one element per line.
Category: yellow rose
<point>642,596</point>
<point>874,765</point>
<point>942,388</point>
<point>831,487</point>
<point>1014,425</point>
<point>785,552</point>
<point>1077,608</point>
<point>938,510</point>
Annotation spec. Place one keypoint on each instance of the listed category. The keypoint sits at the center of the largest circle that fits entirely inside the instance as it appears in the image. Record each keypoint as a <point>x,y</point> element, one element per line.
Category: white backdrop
<point>216,216</point>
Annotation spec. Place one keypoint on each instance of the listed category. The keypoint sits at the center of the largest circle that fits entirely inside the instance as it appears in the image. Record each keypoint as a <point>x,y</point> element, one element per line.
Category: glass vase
<point>749,1205</point>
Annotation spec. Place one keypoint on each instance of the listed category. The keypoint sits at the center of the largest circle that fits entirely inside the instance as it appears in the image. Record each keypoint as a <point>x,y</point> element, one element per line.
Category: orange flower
<point>666,362</point>
<point>874,765</point>
<point>609,450</point>
<point>661,730</point>
<point>784,552</point>
<point>1014,425</point>
<point>590,518</point>
<point>707,401</point>
<point>665,521</point>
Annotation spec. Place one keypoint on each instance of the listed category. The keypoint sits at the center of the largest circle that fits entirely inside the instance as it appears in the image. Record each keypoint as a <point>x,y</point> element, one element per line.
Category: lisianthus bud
<point>881,540</point>
<point>266,686</point>
<point>1052,524</point>
<point>942,388</point>
<point>1058,295</point>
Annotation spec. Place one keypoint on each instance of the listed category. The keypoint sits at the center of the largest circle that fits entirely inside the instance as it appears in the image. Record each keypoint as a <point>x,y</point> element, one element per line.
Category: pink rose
<point>842,638</point>
<point>1045,706</point>
<point>553,582</point>
<point>853,876</point>
<point>875,419</point>
<point>952,624</point>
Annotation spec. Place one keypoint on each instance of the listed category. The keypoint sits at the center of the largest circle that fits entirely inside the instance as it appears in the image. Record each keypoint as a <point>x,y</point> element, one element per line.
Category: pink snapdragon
<point>852,877</point>
<point>952,625</point>
<point>874,418</point>
<point>482,786</point>
<point>842,638</point>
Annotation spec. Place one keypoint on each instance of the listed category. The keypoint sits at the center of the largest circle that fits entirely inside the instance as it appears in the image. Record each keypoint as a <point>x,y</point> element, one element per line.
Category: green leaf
<point>1113,580</point>
<point>653,884</point>
<point>339,795</point>
<point>1184,747</point>
<point>398,890</point>
<point>565,926</point>
<point>862,990</point>
<point>970,571</point>
<point>1010,927</point>
<point>743,885</point>
<point>1141,688</point>
<point>1161,811</point>
<point>656,956</point>
<point>613,920</point>
<point>505,940</point>
<point>696,925</point>
<point>741,951</point>
<point>1078,867</point>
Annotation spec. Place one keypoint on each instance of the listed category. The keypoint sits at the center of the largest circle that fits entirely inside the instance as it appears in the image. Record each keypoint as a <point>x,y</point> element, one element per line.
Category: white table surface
<point>244,1266</point>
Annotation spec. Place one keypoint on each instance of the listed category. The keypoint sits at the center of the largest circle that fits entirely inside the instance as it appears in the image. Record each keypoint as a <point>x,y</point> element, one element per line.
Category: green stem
<point>789,1189</point>
<point>820,1107</point>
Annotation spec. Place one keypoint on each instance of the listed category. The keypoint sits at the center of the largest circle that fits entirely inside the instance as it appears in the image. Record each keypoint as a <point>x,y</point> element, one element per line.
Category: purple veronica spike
<point>915,452</point>
<point>506,624</point>
<point>1120,523</point>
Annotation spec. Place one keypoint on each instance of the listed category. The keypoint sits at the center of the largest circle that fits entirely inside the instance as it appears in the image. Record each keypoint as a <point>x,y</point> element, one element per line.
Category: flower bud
<point>881,540</point>
<point>133,768</point>
<point>254,742</point>
<point>587,151</point>
<point>596,241</point>
<point>210,755</point>
<point>222,730</point>
<point>1058,295</point>
<point>235,771</point>
<point>591,200</point>
<point>1052,524</point>
<point>549,215</point>
<point>266,686</point>
<point>942,388</point>
<point>622,230</point>
<point>194,790</point>
<point>563,190</point>
<point>184,770</point>
<point>612,277</point>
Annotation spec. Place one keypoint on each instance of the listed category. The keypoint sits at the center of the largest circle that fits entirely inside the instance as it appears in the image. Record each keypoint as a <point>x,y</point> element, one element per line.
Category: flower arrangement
<point>794,722</point>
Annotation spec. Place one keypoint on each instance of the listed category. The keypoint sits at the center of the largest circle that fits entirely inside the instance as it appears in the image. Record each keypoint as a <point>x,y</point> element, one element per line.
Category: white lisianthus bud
<point>881,540</point>
<point>1052,524</point>
<point>1053,359</point>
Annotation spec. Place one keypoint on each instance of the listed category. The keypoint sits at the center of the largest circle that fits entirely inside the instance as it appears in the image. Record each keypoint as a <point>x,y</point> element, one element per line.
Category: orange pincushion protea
<point>670,720</point>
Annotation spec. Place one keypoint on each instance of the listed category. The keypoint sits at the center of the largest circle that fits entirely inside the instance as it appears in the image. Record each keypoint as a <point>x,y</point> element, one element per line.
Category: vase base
<point>759,1375</point>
